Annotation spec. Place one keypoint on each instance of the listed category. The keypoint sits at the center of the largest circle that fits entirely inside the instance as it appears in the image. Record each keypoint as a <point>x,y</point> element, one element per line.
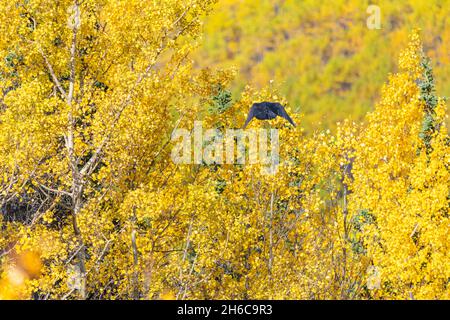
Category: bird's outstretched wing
<point>250,116</point>
<point>279,110</point>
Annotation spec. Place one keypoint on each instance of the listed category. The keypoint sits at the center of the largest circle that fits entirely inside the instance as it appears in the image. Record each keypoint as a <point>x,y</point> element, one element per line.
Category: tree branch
<point>52,73</point>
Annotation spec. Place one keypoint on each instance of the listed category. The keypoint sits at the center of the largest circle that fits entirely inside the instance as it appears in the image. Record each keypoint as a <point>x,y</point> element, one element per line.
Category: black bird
<point>267,111</point>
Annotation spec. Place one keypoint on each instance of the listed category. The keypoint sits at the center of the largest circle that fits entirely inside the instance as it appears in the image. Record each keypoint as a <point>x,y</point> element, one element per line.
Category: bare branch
<point>54,190</point>
<point>74,254</point>
<point>52,73</point>
<point>68,294</point>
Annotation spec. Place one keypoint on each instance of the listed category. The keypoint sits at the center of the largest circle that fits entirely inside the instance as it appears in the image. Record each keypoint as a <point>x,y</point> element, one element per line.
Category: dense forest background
<point>92,205</point>
<point>321,55</point>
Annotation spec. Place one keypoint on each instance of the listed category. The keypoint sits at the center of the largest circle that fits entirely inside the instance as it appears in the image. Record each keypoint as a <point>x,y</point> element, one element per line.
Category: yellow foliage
<point>93,207</point>
<point>325,60</point>
<point>404,187</point>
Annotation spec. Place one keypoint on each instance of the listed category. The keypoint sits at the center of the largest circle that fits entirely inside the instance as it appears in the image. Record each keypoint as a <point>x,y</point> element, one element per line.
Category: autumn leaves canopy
<point>92,201</point>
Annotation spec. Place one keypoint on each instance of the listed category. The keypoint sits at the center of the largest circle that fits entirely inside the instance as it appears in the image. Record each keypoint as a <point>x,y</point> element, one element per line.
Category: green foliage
<point>220,101</point>
<point>428,96</point>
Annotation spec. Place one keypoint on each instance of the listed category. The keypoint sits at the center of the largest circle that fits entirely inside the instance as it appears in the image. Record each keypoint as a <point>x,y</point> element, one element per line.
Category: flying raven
<point>267,111</point>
